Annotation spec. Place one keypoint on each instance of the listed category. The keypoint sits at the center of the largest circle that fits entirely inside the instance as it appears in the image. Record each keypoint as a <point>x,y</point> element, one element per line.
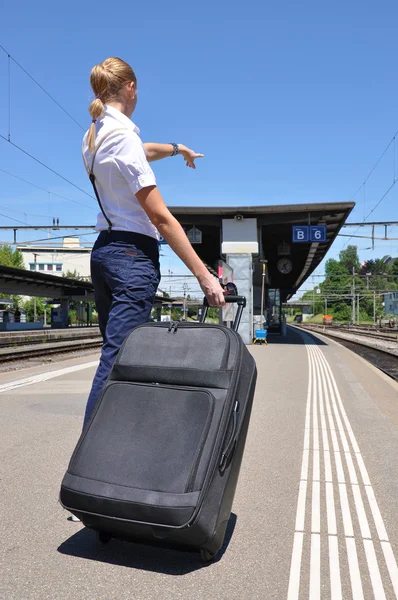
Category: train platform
<point>315,514</point>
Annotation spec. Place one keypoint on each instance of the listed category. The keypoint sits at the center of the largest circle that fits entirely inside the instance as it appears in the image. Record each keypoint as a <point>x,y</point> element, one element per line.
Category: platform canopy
<point>21,282</point>
<point>275,237</point>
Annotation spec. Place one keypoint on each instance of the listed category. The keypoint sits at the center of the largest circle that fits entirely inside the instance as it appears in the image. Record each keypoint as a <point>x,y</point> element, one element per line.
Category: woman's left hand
<point>189,155</point>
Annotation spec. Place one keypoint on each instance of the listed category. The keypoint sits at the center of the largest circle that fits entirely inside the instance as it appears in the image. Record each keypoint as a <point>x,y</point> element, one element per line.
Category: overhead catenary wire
<point>18,212</point>
<point>48,191</point>
<point>10,57</point>
<point>372,211</point>
<point>392,141</point>
<point>23,223</point>
<point>363,184</point>
<point>58,237</point>
<point>47,167</point>
<point>8,139</point>
<point>9,96</point>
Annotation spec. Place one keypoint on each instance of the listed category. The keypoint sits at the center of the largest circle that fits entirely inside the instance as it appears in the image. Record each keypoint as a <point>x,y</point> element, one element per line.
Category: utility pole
<point>34,297</point>
<point>358,308</point>
<point>353,295</point>
<point>262,295</point>
<point>313,297</point>
<point>374,307</point>
<point>185,288</point>
<point>326,306</point>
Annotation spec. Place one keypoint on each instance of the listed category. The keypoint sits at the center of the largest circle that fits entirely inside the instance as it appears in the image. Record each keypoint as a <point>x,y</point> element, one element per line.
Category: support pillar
<point>242,265</point>
<point>65,312</point>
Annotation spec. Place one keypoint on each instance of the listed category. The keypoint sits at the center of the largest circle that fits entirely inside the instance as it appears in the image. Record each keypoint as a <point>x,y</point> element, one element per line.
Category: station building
<point>57,260</point>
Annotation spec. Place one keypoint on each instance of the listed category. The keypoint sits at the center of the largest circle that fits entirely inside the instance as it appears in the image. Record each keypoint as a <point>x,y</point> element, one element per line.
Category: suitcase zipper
<point>174,325</point>
<point>195,466</point>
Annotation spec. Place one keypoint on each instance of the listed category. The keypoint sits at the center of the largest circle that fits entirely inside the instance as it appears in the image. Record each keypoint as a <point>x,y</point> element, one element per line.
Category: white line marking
<point>373,566</point>
<point>316,507</point>
<point>381,530</point>
<point>324,429</point>
<point>345,509</point>
<point>316,437</point>
<point>316,466</point>
<point>378,519</point>
<point>391,565</point>
<point>325,389</point>
<point>300,516</point>
<point>295,567</point>
<point>335,580</point>
<point>333,434</point>
<point>351,468</point>
<point>355,575</point>
<point>307,438</point>
<point>328,466</point>
<point>330,509</point>
<point>12,385</point>
<point>362,468</point>
<point>315,432</point>
<point>375,577</point>
<point>304,464</point>
<point>315,567</point>
<point>339,468</point>
<point>362,518</point>
<point>342,409</point>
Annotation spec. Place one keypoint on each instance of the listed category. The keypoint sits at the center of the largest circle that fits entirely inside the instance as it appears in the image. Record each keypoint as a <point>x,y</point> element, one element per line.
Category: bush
<point>28,307</point>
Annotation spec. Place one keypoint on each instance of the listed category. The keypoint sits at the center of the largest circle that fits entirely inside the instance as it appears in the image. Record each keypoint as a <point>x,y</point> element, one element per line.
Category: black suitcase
<point>159,459</point>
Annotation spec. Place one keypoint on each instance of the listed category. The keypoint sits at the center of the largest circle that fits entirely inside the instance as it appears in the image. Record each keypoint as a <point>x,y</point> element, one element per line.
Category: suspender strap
<point>92,176</point>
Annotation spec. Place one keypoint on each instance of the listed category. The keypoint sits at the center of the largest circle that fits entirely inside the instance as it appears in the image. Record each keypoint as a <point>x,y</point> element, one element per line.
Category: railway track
<point>383,359</point>
<point>369,331</point>
<point>28,351</point>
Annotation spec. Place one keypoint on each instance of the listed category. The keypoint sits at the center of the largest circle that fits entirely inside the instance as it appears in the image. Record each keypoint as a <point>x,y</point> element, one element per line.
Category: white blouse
<point>121,170</point>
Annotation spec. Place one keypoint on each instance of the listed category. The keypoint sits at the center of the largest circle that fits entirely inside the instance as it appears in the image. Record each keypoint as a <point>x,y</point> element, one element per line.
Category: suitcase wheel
<point>104,537</point>
<point>206,555</point>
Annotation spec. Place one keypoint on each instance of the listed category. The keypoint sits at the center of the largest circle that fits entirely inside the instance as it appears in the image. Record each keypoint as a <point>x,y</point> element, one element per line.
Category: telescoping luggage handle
<point>239,300</point>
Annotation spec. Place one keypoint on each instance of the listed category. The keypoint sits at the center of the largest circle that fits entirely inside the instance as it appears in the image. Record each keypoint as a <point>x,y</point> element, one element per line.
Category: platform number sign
<point>309,233</point>
<point>318,233</point>
<point>300,233</point>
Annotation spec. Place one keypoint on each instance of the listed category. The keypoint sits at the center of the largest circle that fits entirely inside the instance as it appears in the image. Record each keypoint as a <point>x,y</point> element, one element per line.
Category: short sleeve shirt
<point>121,170</point>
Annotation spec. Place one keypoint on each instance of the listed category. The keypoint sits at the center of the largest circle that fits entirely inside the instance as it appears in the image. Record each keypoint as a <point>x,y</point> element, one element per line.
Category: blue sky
<point>290,102</point>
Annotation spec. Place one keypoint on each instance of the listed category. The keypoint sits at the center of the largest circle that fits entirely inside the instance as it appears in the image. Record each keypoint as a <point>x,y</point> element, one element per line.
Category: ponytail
<point>107,79</point>
<point>96,109</point>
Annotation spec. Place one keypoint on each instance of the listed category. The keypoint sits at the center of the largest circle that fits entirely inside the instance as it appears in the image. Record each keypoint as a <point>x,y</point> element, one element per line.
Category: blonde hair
<point>107,80</point>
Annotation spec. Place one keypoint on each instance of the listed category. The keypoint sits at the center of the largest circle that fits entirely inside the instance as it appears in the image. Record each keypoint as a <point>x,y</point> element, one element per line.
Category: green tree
<point>349,259</point>
<point>394,268</point>
<point>75,275</point>
<point>28,307</point>
<point>10,257</point>
<point>378,275</point>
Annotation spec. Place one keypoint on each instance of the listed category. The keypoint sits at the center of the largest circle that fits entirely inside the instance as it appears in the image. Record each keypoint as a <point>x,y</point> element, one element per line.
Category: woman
<point>125,258</point>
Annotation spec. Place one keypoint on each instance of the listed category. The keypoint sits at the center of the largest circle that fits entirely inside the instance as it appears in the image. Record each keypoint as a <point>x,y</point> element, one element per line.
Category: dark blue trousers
<point>125,273</point>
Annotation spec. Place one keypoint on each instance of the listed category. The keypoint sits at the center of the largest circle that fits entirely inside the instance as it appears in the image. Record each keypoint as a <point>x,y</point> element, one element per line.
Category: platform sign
<point>309,233</point>
<point>301,233</point>
<point>318,233</point>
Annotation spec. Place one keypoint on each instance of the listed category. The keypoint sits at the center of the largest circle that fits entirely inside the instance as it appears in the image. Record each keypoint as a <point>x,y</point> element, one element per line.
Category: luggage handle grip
<point>239,300</point>
<point>227,454</point>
